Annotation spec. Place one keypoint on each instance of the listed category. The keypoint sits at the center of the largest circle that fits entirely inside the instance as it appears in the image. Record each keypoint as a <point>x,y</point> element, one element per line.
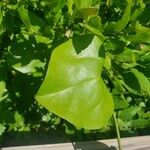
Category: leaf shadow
<point>93,145</point>
<point>24,50</point>
<point>81,42</point>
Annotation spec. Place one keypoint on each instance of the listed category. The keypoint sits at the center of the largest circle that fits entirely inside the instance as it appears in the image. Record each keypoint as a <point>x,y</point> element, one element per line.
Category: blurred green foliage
<point>31,29</point>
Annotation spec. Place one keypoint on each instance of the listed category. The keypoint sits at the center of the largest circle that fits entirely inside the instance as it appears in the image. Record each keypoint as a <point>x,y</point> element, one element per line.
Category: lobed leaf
<point>73,88</point>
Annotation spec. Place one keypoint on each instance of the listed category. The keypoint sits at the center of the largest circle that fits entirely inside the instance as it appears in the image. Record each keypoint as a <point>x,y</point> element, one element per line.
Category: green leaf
<point>85,9</point>
<point>83,4</point>
<point>2,81</point>
<point>142,34</point>
<point>95,22</point>
<point>120,103</point>
<point>2,89</point>
<point>131,83</point>
<point>146,57</point>
<point>122,23</point>
<point>1,19</point>
<point>54,5</point>
<point>129,113</point>
<point>94,31</point>
<point>140,28</point>
<point>2,129</point>
<point>107,63</point>
<point>27,56</point>
<point>1,22</point>
<point>141,123</point>
<point>1,15</point>
<point>30,68</point>
<point>42,39</point>
<point>18,118</point>
<point>70,6</point>
<point>115,45</point>
<point>32,22</point>
<point>139,37</point>
<point>143,81</point>
<point>69,129</point>
<point>73,88</point>
<point>123,125</point>
<point>138,11</point>
<point>145,47</point>
<point>86,12</point>
<point>126,56</point>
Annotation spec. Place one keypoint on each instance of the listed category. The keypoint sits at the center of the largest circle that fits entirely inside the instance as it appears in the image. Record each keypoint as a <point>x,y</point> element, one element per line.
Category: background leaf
<point>141,123</point>
<point>143,81</point>
<point>2,128</point>
<point>122,23</point>
<point>32,23</point>
<point>129,113</point>
<point>2,89</point>
<point>83,4</point>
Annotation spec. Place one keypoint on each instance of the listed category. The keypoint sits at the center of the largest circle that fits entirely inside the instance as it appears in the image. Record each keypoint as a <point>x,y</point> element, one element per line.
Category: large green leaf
<point>73,87</point>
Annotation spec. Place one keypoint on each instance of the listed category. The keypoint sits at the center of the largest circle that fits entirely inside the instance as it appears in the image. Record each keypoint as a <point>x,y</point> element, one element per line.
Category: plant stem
<point>117,131</point>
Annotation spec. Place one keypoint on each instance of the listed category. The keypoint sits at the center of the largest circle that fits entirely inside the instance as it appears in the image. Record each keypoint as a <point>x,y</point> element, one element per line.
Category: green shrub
<point>118,34</point>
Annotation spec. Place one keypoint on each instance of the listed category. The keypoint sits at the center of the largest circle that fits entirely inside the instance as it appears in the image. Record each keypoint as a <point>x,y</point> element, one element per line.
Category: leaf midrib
<point>74,86</point>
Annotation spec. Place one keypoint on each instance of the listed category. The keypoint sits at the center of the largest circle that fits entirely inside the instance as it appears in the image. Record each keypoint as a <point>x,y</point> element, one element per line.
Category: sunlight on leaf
<point>143,81</point>
<point>2,128</point>
<point>30,68</point>
<point>32,22</point>
<point>2,89</point>
<point>122,23</point>
<point>73,87</point>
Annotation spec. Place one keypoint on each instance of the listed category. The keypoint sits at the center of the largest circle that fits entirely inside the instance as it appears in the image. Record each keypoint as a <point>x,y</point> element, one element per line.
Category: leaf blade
<point>75,91</point>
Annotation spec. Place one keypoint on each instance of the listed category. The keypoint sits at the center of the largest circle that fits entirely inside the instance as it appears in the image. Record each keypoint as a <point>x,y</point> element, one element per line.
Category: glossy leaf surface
<point>73,87</point>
